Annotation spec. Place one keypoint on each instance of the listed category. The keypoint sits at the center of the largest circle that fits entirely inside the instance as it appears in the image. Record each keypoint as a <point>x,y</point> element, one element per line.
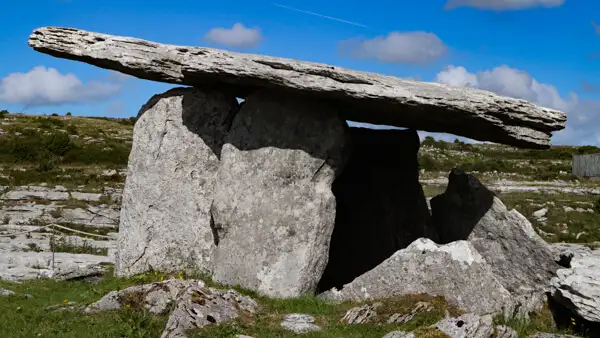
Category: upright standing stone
<point>274,210</point>
<point>165,214</point>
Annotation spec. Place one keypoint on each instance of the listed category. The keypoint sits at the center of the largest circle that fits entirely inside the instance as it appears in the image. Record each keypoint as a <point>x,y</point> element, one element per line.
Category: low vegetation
<point>86,153</point>
<point>64,244</point>
<point>30,317</point>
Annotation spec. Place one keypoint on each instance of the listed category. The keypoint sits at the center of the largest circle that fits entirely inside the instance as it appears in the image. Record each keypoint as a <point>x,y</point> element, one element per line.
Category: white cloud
<point>596,27</point>
<point>583,116</point>
<point>397,47</point>
<point>43,86</point>
<point>237,36</point>
<point>501,5</point>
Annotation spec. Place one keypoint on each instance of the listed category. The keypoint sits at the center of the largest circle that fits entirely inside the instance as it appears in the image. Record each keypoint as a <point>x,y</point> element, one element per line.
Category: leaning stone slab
<point>361,96</point>
<point>522,261</point>
<point>273,209</point>
<point>455,271</point>
<point>165,214</point>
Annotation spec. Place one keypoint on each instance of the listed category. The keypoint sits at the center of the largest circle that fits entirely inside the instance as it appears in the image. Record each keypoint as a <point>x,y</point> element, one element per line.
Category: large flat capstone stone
<point>273,210</point>
<point>165,213</point>
<point>359,96</point>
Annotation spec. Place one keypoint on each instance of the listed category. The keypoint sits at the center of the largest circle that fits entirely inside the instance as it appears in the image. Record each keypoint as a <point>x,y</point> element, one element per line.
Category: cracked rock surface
<point>361,96</point>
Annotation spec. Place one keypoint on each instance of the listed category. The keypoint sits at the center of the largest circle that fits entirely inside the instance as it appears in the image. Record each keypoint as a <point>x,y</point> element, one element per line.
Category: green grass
<point>266,323</point>
<point>29,317</point>
<point>70,178</point>
<point>558,220</point>
<point>63,244</point>
<point>22,317</point>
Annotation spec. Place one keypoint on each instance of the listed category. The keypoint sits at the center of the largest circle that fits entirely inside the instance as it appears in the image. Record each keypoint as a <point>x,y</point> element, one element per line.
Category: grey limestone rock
<point>399,334</point>
<point>6,292</point>
<point>199,306</point>
<point>362,96</point>
<point>195,305</point>
<point>361,314</point>
<point>468,325</point>
<point>165,221</point>
<point>503,331</point>
<point>299,323</point>
<point>521,260</point>
<point>577,286</point>
<point>455,270</point>
<point>274,210</point>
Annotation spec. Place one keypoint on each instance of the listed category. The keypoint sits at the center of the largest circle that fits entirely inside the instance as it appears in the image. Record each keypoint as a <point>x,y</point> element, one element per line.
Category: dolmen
<point>279,195</point>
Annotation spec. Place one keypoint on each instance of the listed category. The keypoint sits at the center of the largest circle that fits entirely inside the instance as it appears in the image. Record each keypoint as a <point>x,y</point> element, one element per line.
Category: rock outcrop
<point>522,261</point>
<point>190,304</point>
<point>577,286</point>
<point>165,213</point>
<point>492,261</point>
<point>360,96</point>
<point>273,210</point>
<point>468,325</point>
<point>455,271</point>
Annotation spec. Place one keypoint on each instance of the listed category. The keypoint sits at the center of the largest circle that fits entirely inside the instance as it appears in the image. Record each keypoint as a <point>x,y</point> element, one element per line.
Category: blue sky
<point>545,51</point>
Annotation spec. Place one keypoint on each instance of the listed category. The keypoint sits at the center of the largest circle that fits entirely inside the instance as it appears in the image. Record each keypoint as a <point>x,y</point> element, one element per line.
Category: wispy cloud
<point>321,15</point>
<point>238,36</point>
<point>503,5</point>
<point>43,86</point>
<point>415,47</point>
<point>596,27</point>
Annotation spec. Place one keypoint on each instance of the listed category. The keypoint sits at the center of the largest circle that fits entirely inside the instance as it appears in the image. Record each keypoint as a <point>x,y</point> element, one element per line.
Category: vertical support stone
<point>274,210</point>
<point>165,214</point>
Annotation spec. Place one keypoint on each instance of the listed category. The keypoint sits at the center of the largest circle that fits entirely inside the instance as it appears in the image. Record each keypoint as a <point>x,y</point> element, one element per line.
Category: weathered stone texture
<point>360,96</point>
<point>577,286</point>
<point>165,215</point>
<point>455,271</point>
<point>521,260</point>
<point>274,210</point>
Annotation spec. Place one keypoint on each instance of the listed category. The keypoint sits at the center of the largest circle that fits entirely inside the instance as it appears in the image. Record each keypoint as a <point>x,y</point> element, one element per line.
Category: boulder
<point>381,206</point>
<point>522,261</point>
<point>361,314</point>
<point>199,306</point>
<point>273,210</point>
<point>299,323</point>
<point>468,325</point>
<point>165,221</point>
<point>361,96</point>
<point>577,286</point>
<point>193,304</point>
<point>455,271</point>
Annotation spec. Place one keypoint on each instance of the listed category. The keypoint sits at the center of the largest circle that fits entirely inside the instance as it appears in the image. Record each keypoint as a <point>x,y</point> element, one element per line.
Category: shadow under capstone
<point>381,207</point>
<point>456,212</point>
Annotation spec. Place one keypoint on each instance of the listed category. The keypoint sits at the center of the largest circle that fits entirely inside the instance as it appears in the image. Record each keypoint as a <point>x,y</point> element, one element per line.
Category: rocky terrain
<point>273,217</point>
<point>561,208</point>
